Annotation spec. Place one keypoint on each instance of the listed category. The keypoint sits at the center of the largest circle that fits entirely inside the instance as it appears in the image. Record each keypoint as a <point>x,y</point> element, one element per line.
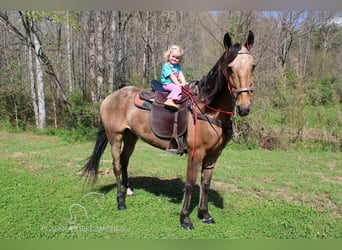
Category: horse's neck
<point>221,108</point>
<point>221,101</point>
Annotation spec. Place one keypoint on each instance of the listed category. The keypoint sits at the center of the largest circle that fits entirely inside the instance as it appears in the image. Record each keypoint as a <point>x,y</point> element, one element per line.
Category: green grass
<point>255,194</point>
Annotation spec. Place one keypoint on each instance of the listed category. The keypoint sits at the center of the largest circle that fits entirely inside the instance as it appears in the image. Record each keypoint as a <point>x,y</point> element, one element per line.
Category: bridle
<point>240,90</point>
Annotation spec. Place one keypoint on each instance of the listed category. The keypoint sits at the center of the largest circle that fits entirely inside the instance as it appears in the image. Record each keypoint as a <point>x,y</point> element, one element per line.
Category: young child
<point>172,76</point>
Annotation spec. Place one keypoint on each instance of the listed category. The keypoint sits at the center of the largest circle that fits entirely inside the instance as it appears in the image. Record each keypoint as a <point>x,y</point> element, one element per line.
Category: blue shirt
<point>169,69</point>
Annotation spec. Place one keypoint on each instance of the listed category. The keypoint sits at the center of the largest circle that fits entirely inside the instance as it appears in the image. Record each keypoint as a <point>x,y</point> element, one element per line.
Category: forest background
<point>56,67</point>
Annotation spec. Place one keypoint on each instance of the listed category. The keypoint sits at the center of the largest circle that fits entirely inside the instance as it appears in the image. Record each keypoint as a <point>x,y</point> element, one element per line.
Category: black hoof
<point>209,220</point>
<point>122,207</point>
<point>187,226</point>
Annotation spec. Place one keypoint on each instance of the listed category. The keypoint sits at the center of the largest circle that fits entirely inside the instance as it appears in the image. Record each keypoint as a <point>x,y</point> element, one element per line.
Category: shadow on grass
<point>171,188</point>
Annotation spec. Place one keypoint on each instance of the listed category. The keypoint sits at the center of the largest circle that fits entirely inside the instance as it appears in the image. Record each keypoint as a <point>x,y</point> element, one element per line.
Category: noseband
<point>247,89</point>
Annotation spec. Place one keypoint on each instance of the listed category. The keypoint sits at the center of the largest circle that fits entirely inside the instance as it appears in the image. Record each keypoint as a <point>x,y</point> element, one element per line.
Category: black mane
<point>216,80</point>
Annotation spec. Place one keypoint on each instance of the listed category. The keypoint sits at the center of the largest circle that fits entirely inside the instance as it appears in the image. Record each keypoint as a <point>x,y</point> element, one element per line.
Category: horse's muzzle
<point>243,111</point>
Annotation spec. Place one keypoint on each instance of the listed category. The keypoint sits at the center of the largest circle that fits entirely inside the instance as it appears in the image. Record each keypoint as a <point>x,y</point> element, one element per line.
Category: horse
<point>225,89</point>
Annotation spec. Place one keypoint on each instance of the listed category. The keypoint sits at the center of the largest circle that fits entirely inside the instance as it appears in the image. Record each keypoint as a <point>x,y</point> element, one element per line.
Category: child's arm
<point>182,79</point>
<point>175,80</point>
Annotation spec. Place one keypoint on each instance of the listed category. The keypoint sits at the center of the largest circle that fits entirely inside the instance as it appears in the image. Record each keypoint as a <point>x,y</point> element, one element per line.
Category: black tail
<point>92,166</point>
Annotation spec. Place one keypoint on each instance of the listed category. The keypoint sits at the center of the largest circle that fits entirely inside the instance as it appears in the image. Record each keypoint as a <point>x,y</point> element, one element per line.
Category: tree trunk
<point>33,87</point>
<point>92,57</point>
<point>111,58</point>
<point>69,54</point>
<point>122,56</point>
<point>147,46</point>
<point>40,85</point>
<point>99,58</point>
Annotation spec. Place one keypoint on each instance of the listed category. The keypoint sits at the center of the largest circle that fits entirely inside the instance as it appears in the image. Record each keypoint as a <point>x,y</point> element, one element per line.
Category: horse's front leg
<point>203,212</point>
<point>192,171</point>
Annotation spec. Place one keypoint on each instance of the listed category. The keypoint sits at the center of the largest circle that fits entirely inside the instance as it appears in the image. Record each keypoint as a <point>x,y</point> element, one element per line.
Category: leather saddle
<point>165,123</point>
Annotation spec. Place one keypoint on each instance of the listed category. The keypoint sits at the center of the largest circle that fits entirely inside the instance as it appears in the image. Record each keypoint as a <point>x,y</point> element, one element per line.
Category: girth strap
<point>226,127</point>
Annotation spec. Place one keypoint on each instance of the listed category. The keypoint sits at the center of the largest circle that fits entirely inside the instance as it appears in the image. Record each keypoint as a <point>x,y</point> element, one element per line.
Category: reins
<point>191,95</point>
<point>219,110</point>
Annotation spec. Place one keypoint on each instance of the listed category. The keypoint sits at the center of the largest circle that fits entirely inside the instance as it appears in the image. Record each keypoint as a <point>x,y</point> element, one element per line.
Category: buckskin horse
<point>214,98</point>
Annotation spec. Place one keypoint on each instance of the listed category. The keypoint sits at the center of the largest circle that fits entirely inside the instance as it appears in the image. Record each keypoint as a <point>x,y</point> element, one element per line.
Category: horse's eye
<point>230,71</point>
<point>253,67</point>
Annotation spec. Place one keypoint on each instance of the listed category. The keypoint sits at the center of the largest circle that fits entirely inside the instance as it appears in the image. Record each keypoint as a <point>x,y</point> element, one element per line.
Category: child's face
<point>175,57</point>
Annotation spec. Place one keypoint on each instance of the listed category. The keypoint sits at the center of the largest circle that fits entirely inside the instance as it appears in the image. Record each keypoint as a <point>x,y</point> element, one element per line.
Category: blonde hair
<point>172,48</point>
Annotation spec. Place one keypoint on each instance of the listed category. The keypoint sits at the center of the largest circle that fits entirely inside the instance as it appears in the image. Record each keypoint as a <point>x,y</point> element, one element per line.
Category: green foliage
<point>6,125</point>
<point>233,25</point>
<point>63,17</point>
<point>73,135</point>
<point>86,119</point>
<point>244,134</point>
<point>84,125</point>
<point>189,76</point>
<point>83,110</point>
<point>320,91</point>
<point>138,80</point>
<point>15,100</point>
<point>16,108</point>
<point>289,99</point>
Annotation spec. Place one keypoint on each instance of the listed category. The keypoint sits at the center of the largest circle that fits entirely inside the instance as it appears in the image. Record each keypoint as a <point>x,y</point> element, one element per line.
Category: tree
<point>69,52</point>
<point>92,56</point>
<point>100,57</point>
<point>33,86</point>
<point>112,51</point>
<point>39,83</point>
<point>39,95</point>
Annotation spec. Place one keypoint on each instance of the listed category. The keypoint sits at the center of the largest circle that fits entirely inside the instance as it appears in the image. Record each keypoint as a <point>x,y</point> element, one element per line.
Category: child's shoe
<point>171,105</point>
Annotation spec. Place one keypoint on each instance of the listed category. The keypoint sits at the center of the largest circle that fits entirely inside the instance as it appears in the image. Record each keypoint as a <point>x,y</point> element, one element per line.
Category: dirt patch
<point>18,155</point>
<point>106,172</point>
<point>332,179</point>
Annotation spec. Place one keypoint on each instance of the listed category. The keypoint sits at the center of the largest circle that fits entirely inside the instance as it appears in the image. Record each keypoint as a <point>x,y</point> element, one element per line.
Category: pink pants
<point>175,91</point>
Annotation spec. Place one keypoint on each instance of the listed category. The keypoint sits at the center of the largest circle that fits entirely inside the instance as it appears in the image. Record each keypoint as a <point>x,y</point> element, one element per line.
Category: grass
<point>255,194</point>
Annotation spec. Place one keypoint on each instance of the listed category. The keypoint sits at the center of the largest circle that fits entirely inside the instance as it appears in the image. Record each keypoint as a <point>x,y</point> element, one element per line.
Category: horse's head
<point>232,74</point>
<point>238,71</point>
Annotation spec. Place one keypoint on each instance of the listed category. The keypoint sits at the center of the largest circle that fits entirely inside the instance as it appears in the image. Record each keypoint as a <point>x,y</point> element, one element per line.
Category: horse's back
<point>118,107</point>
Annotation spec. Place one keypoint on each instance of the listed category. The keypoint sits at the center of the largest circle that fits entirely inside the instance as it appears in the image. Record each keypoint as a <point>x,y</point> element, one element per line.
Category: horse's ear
<point>227,41</point>
<point>250,40</point>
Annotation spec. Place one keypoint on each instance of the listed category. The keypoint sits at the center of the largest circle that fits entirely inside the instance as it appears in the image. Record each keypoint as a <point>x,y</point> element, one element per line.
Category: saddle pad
<point>147,94</point>
<point>141,103</point>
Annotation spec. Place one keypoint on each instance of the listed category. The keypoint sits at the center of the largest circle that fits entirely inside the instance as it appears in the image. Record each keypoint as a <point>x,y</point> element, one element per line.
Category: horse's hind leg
<point>121,155</point>
<point>116,142</point>
<point>129,140</point>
